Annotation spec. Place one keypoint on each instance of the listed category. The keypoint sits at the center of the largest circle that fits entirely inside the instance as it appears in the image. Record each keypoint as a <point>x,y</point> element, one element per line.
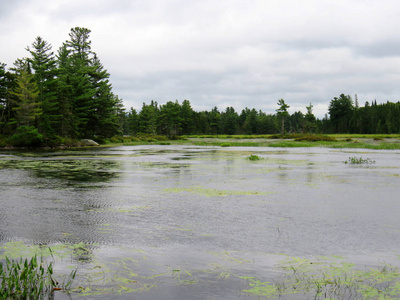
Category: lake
<point>187,222</point>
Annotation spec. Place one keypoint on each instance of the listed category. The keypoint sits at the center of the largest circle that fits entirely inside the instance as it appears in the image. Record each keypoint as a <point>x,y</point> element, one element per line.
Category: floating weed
<point>254,157</point>
<point>327,278</point>
<point>358,161</point>
<point>212,192</point>
<point>183,277</point>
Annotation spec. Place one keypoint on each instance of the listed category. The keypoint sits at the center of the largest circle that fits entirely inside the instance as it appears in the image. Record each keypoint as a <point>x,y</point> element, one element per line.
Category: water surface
<point>185,222</point>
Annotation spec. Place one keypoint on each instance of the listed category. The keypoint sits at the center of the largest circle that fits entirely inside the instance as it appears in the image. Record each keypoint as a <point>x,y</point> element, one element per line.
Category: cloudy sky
<point>240,53</point>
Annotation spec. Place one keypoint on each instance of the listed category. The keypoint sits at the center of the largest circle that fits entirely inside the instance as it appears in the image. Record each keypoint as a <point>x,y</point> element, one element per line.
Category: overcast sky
<point>240,53</point>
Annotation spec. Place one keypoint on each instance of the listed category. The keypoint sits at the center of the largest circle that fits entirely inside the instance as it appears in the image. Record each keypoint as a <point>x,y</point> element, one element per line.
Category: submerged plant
<point>29,279</point>
<point>357,161</point>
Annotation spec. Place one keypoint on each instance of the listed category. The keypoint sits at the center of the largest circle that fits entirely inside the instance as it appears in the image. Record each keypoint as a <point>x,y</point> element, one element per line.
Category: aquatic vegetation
<point>29,279</point>
<point>358,161</point>
<point>254,157</point>
<point>212,192</point>
<point>324,279</point>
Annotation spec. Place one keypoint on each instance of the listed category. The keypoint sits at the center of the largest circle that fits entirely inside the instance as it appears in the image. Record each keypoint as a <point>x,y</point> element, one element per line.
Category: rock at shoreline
<point>87,142</point>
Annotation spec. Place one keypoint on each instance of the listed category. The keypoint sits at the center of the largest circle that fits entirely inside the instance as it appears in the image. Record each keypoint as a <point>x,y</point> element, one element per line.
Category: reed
<point>29,279</point>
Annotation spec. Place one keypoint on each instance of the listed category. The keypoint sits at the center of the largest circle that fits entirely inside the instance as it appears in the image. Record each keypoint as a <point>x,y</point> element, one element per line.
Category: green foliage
<point>29,279</point>
<point>26,136</point>
<point>254,157</point>
<point>43,63</point>
<point>26,93</point>
<point>310,119</point>
<point>282,113</point>
<point>340,111</point>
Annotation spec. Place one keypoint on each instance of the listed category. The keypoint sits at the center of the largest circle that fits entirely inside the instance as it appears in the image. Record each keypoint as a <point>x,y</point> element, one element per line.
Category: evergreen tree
<point>214,118</point>
<point>5,84</point>
<point>310,120</point>
<point>296,121</point>
<point>103,118</point>
<point>94,108</point>
<point>26,92</point>
<point>250,124</point>
<point>340,111</point>
<point>169,119</point>
<point>133,122</point>
<point>187,117</point>
<point>65,90</point>
<point>229,121</point>
<point>83,91</point>
<point>282,113</point>
<point>43,64</point>
<point>148,118</point>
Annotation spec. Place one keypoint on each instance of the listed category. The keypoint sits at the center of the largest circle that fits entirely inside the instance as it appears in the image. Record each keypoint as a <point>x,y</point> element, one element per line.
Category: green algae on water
<point>213,192</point>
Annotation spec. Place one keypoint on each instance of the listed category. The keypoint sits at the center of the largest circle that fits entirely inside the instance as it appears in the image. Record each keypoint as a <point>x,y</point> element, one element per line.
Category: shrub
<point>315,138</point>
<point>3,142</point>
<point>26,136</point>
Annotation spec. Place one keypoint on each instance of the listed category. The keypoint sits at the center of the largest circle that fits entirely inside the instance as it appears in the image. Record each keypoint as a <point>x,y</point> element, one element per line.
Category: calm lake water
<point>186,222</point>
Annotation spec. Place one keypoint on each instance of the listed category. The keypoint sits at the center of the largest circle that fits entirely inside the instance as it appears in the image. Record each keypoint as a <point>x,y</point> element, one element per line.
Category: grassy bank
<point>377,142</point>
<point>361,141</point>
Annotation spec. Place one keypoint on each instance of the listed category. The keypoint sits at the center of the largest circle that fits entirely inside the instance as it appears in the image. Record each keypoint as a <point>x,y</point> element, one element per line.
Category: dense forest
<point>48,99</point>
<point>344,116</point>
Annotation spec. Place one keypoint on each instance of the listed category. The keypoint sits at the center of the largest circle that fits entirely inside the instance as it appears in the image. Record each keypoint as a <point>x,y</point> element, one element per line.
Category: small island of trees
<point>52,99</point>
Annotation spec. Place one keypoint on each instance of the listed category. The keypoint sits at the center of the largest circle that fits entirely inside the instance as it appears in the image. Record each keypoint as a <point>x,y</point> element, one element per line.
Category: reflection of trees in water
<point>82,170</point>
<point>41,203</point>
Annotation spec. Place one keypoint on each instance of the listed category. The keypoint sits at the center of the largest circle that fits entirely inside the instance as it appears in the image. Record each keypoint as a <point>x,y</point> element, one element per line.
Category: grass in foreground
<point>29,279</point>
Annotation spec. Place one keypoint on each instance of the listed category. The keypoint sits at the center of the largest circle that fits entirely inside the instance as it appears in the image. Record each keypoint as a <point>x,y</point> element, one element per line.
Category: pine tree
<point>26,92</point>
<point>187,116</point>
<point>282,113</point>
<point>148,118</point>
<point>43,64</point>
<point>169,119</point>
<point>94,108</point>
<point>103,120</point>
<point>310,120</point>
<point>64,89</point>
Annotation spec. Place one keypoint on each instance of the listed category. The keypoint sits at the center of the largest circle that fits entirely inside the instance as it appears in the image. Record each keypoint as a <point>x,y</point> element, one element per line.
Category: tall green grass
<point>29,279</point>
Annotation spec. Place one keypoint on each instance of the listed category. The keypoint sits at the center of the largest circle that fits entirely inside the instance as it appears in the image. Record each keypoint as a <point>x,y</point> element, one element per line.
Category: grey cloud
<point>225,53</point>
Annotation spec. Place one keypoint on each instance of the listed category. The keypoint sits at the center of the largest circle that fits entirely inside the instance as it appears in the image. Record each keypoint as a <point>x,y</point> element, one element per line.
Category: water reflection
<point>80,170</point>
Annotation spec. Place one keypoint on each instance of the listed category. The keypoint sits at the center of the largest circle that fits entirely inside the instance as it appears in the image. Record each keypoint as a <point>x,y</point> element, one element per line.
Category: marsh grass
<point>29,279</point>
<point>337,141</point>
<point>315,138</point>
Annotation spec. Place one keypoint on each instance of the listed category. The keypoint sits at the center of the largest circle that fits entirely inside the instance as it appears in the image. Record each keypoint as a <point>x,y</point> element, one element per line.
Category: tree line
<point>68,95</point>
<point>345,116</point>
